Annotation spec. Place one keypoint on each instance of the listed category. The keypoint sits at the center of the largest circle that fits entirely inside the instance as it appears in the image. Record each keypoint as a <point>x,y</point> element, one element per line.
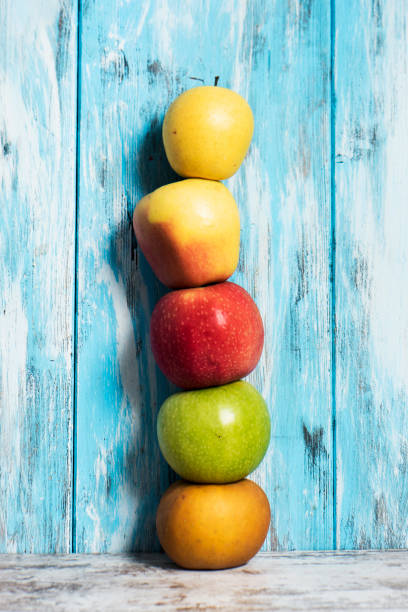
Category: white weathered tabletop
<point>273,581</point>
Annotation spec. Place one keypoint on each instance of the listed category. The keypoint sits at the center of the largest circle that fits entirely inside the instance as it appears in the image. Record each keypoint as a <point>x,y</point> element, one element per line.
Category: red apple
<point>206,336</point>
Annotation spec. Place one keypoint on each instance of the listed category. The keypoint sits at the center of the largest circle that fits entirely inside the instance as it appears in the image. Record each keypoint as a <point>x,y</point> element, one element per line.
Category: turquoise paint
<point>371,296</point>
<point>323,251</point>
<point>333,256</point>
<point>75,313</point>
<point>37,212</point>
<point>283,191</point>
<point>120,474</point>
<point>133,64</point>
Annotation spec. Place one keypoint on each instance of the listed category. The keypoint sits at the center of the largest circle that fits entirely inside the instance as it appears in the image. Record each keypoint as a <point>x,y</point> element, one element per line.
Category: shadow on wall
<point>145,475</point>
<point>153,169</point>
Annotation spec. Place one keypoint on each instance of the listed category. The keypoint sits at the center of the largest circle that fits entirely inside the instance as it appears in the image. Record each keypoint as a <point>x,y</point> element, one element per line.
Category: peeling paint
<point>372,255</point>
<point>37,211</point>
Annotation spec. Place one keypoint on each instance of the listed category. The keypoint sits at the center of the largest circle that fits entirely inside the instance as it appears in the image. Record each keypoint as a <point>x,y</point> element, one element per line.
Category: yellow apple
<point>189,232</point>
<point>207,132</point>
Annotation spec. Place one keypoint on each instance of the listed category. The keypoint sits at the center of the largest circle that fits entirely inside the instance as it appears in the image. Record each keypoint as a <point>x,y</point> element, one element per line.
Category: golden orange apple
<point>212,526</point>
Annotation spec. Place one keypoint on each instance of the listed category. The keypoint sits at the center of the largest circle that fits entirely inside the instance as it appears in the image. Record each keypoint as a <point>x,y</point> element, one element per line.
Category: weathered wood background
<point>323,196</point>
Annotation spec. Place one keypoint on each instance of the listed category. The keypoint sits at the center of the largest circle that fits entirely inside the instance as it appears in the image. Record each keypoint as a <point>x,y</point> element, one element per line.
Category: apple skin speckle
<point>214,435</point>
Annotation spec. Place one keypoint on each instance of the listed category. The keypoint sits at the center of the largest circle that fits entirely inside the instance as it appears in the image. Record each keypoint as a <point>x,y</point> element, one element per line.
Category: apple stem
<point>217,78</point>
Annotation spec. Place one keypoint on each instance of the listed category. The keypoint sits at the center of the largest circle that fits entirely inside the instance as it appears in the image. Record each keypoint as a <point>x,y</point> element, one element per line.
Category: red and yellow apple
<point>189,232</point>
<point>206,336</point>
<point>212,526</point>
<point>207,132</point>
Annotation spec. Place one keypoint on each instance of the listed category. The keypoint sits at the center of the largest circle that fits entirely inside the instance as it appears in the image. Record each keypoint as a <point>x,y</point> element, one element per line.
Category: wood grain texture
<point>37,236</point>
<point>293,581</point>
<point>372,254</point>
<point>136,58</point>
<point>283,190</point>
<point>120,474</point>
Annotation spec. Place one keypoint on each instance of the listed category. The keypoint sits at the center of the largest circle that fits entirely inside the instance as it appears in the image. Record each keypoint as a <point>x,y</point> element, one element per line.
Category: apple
<point>214,435</point>
<point>212,526</point>
<point>207,132</point>
<point>206,336</point>
<point>189,232</point>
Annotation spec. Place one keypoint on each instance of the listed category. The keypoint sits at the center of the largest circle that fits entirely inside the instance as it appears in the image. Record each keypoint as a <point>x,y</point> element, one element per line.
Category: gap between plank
<point>75,330</point>
<point>333,257</point>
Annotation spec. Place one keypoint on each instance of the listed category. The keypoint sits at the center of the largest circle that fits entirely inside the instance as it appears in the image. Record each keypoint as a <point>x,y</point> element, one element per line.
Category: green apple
<point>214,435</point>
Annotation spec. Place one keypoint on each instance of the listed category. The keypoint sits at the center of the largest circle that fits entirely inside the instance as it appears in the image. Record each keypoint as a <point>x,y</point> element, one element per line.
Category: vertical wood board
<point>120,474</point>
<point>283,190</point>
<point>135,59</point>
<point>37,237</point>
<point>371,268</point>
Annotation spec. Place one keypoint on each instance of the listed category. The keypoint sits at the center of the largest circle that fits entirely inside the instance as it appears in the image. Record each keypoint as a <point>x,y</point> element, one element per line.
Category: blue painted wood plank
<point>371,264</point>
<point>282,64</point>
<point>136,58</point>
<point>37,236</point>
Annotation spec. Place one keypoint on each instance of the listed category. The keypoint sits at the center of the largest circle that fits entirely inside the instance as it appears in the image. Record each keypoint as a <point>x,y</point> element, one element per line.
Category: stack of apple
<point>205,336</point>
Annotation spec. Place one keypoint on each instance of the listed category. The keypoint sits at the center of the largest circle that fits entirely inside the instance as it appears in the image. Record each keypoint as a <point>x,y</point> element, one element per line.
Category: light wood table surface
<point>271,581</point>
